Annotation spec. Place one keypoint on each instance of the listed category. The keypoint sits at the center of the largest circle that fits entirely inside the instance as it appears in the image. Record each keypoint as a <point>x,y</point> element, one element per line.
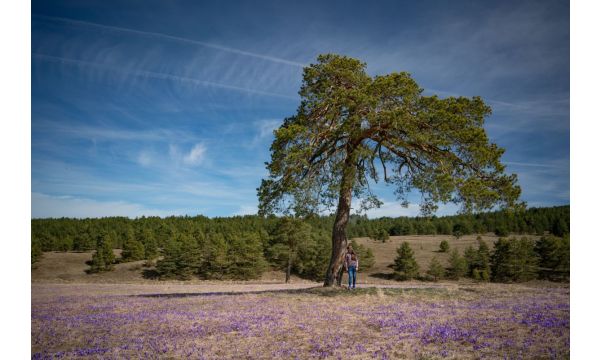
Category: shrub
<point>444,246</point>
<point>405,266</point>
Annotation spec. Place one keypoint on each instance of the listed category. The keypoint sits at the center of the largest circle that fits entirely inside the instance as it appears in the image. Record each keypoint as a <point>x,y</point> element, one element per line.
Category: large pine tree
<point>349,125</point>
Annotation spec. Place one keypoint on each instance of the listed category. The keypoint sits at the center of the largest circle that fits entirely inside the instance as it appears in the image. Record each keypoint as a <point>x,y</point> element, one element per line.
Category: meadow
<point>300,321</point>
<point>122,315</point>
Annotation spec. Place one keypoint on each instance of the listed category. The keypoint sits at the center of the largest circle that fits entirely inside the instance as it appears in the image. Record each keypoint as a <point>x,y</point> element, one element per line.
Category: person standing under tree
<point>352,269</point>
<point>347,255</point>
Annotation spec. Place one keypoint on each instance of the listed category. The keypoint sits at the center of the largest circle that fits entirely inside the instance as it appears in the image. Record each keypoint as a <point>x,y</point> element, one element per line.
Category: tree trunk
<point>341,272</point>
<point>289,269</point>
<point>338,238</point>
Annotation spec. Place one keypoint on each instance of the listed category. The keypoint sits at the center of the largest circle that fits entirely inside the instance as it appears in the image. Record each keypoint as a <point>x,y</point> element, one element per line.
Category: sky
<point>159,108</point>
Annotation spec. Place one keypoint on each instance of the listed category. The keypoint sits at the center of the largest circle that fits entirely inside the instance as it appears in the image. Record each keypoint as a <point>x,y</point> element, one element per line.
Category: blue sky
<point>167,107</point>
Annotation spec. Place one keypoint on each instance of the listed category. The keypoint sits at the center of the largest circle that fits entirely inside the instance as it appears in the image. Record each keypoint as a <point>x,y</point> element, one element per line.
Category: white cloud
<point>196,155</point>
<point>395,209</point>
<point>247,210</point>
<point>44,206</point>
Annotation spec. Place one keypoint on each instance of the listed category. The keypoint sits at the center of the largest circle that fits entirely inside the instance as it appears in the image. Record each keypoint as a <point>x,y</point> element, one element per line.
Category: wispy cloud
<point>112,133</point>
<point>196,155</point>
<point>266,127</point>
<point>172,38</point>
<point>159,119</point>
<point>531,164</point>
<point>44,206</point>
<point>160,76</point>
<point>263,130</point>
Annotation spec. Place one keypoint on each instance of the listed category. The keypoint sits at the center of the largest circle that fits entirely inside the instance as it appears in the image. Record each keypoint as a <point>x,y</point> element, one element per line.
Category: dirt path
<point>40,290</point>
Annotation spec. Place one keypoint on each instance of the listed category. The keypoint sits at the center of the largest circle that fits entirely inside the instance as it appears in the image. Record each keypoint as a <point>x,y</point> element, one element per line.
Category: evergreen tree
<point>501,230</point>
<point>84,241</point>
<point>444,227</point>
<point>312,259</point>
<point>190,259</point>
<point>458,266</point>
<point>560,227</point>
<point>63,243</point>
<point>146,237</point>
<point>36,250</point>
<point>104,258</point>
<point>405,266</point>
<point>483,260</point>
<point>133,250</point>
<point>458,230</point>
<point>470,256</point>
<point>554,254</point>
<point>167,267</point>
<point>216,262</point>
<point>290,235</point>
<point>182,259</point>
<point>478,261</point>
<point>514,260</point>
<point>246,257</point>
<point>381,234</point>
<point>436,270</point>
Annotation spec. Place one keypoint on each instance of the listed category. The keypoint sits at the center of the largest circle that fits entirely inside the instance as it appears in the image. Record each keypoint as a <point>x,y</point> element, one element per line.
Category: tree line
<point>243,247</point>
<point>553,220</point>
<point>511,260</point>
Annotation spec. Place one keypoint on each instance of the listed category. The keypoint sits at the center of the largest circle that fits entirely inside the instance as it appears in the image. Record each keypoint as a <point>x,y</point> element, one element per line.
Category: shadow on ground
<point>317,290</point>
<point>385,276</point>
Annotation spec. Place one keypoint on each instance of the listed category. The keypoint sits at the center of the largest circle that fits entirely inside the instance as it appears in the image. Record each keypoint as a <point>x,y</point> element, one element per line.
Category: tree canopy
<point>352,129</point>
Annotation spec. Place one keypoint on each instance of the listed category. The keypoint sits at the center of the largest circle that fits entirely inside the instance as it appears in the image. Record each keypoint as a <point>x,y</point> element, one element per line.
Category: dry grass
<point>491,321</point>
<point>425,248</point>
<point>70,267</point>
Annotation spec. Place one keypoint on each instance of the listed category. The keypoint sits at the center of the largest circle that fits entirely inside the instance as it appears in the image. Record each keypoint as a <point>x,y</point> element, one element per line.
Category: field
<point>455,321</point>
<point>122,315</point>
